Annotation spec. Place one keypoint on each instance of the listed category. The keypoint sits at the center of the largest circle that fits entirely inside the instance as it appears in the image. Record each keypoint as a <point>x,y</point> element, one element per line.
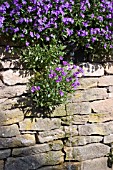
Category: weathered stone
<point>82,140</point>
<point>100,117</point>
<point>102,106</point>
<point>92,69</point>
<point>8,63</point>
<point>5,153</point>
<point>11,77</point>
<point>108,139</point>
<point>8,104</point>
<point>78,108</point>
<point>90,94</point>
<point>1,84</point>
<point>75,119</point>
<point>34,161</point>
<point>95,164</point>
<point>20,140</point>
<point>94,129</point>
<point>37,149</point>
<point>9,131</point>
<point>70,130</point>
<point>110,88</point>
<point>1,165</point>
<point>86,83</point>
<point>105,81</point>
<point>80,119</point>
<point>109,68</point>
<point>50,135</point>
<point>59,111</point>
<point>64,166</point>
<point>40,124</point>
<point>90,151</point>
<point>12,91</point>
<point>11,116</point>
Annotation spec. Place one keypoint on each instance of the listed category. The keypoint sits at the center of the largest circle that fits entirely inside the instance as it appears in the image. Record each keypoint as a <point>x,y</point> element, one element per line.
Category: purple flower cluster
<point>66,74</point>
<point>35,88</point>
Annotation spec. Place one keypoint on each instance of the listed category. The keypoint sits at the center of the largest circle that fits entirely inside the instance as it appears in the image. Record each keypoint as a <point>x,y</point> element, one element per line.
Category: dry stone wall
<point>76,136</point>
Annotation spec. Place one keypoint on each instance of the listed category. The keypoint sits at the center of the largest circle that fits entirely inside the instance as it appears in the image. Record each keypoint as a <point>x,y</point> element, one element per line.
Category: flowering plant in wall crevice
<point>45,29</point>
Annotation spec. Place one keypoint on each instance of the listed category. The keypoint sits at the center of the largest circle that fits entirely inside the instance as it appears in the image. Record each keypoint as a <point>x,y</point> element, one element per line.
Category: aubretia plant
<point>51,88</point>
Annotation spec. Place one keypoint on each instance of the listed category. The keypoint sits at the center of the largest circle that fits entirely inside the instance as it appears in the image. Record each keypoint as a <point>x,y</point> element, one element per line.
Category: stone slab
<point>90,151</point>
<point>1,165</point>
<point>19,141</point>
<point>5,153</point>
<point>105,81</point>
<point>35,161</point>
<point>40,124</point>
<point>9,131</point>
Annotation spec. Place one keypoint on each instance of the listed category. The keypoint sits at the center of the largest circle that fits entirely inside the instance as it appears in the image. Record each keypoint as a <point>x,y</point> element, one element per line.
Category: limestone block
<point>48,136</point>
<point>86,83</point>
<point>105,81</point>
<point>92,69</point>
<point>70,130</point>
<point>11,77</point>
<point>34,161</point>
<point>40,124</point>
<point>110,88</point>
<point>102,106</point>
<point>37,149</point>
<point>109,68</point>
<point>83,140</point>
<point>5,153</point>
<point>90,151</point>
<point>1,165</point>
<point>108,139</point>
<point>78,108</point>
<point>7,63</point>
<point>9,117</point>
<point>20,140</point>
<point>8,104</point>
<point>90,94</point>
<point>59,111</point>
<point>100,117</point>
<point>12,91</point>
<point>9,131</point>
<point>64,166</point>
<point>96,129</point>
<point>95,164</point>
<point>80,119</point>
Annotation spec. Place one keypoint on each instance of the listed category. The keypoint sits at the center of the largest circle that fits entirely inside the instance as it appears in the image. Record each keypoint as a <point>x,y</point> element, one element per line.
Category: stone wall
<point>76,136</point>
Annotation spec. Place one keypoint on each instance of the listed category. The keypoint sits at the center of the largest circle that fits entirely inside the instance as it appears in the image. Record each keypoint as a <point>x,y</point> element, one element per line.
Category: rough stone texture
<point>78,108</point>
<point>40,124</point>
<point>12,91</point>
<point>96,129</point>
<point>50,135</point>
<point>93,69</point>
<point>70,130</point>
<point>34,161</point>
<point>83,140</point>
<point>5,153</point>
<point>105,81</point>
<point>37,149</point>
<point>102,106</point>
<point>95,164</point>
<point>20,140</point>
<point>109,68</point>
<point>8,64</point>
<point>86,83</point>
<point>108,139</point>
<point>81,153</point>
<point>59,111</point>
<point>100,117</point>
<point>90,94</point>
<point>110,88</point>
<point>11,77</point>
<point>1,165</point>
<point>9,131</point>
<point>75,119</point>
<point>11,116</point>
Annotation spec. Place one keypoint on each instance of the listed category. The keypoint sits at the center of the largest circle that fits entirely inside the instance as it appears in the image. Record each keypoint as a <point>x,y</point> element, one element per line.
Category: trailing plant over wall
<point>45,28</point>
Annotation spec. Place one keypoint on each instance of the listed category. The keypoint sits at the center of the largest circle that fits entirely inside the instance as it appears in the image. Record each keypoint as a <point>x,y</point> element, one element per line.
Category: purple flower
<point>93,39</point>
<point>65,63</point>
<point>37,87</point>
<point>59,79</point>
<point>61,58</point>
<point>31,34</point>
<point>27,43</point>
<point>61,93</point>
<point>33,89</point>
